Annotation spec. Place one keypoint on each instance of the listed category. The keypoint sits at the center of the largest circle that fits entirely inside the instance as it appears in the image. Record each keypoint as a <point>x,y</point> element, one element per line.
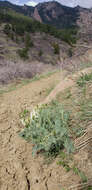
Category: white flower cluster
<point>34,114</point>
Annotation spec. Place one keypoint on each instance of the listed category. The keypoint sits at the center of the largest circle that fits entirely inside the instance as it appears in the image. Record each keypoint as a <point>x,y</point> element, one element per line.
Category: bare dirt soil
<point>18,169</point>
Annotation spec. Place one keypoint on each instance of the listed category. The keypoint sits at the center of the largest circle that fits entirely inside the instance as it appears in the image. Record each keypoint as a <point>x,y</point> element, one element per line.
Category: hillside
<point>41,56</point>
<point>25,40</point>
<point>28,47</point>
<point>32,48</point>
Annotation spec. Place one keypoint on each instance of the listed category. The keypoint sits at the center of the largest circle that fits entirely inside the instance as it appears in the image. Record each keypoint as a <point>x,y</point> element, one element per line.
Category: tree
<point>7,29</point>
<point>28,41</point>
<point>23,53</point>
<point>70,52</point>
<point>11,36</point>
<point>40,53</point>
<point>56,48</point>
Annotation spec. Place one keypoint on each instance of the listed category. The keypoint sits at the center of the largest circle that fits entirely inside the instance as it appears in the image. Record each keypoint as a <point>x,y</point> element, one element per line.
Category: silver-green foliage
<point>48,129</point>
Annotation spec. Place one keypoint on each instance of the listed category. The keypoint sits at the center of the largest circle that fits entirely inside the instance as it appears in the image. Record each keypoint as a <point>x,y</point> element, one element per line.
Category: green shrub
<point>12,36</point>
<point>70,52</point>
<point>40,53</point>
<point>28,41</point>
<point>7,29</point>
<point>56,48</point>
<point>48,130</point>
<point>22,39</point>
<point>17,39</point>
<point>23,53</point>
<point>89,188</point>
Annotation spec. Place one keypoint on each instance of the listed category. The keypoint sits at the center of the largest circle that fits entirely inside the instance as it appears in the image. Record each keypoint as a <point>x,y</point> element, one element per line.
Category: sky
<point>71,3</point>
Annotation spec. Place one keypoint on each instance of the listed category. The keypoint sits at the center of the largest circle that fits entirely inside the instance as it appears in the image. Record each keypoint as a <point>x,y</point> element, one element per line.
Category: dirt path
<point>66,83</point>
<point>18,169</point>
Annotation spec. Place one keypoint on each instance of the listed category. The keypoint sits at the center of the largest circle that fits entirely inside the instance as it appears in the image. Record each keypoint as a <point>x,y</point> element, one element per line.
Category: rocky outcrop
<point>36,15</point>
<point>58,15</point>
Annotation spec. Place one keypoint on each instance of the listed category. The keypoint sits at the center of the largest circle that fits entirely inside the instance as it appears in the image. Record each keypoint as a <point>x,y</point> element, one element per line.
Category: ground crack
<point>46,182</point>
<point>10,138</point>
<point>3,131</point>
<point>28,182</point>
<point>46,185</point>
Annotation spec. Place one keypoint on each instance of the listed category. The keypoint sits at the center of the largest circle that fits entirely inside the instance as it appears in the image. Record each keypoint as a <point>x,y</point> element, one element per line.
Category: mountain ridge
<point>51,12</point>
<point>78,6</point>
<point>57,15</point>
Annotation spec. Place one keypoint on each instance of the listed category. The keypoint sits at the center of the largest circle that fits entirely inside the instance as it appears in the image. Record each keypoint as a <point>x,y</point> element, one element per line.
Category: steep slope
<point>85,24</point>
<point>41,56</point>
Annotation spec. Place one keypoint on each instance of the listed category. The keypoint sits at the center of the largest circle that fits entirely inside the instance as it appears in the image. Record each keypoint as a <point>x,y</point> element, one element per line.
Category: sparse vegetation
<point>86,111</point>
<point>64,161</point>
<point>23,53</point>
<point>65,165</point>
<point>83,79</point>
<point>80,173</point>
<point>68,94</point>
